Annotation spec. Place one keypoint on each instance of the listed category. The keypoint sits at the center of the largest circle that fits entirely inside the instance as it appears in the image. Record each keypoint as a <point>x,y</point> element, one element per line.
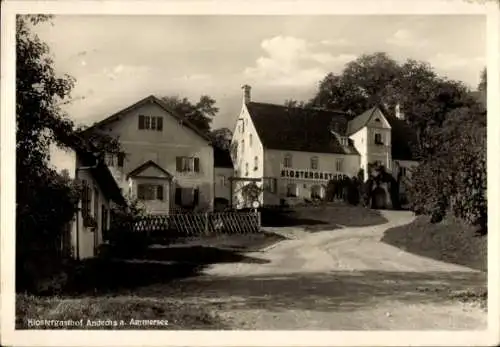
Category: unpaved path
<point>339,280</point>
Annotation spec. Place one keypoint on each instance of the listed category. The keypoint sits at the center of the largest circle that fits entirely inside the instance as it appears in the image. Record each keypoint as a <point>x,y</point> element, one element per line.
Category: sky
<point>118,60</point>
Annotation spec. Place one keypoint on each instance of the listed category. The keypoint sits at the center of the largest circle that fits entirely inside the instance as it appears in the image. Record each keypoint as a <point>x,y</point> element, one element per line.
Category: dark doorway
<point>379,198</point>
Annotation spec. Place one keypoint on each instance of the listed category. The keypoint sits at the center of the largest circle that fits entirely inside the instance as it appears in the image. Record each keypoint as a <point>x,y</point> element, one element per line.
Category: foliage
<point>250,193</point>
<point>295,103</point>
<point>376,78</point>
<point>46,200</point>
<point>483,83</point>
<point>454,177</point>
<point>345,188</point>
<point>200,113</point>
<point>222,138</point>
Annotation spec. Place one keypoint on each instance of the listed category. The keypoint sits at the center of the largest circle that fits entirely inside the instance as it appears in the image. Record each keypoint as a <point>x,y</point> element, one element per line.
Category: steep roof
<point>102,175</point>
<point>360,121</point>
<point>222,158</point>
<point>150,99</point>
<point>146,165</point>
<point>299,129</point>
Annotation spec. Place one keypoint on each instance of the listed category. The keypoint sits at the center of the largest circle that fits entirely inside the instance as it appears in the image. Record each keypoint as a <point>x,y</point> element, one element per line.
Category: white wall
<point>273,166</point>
<point>163,147</point>
<point>245,132</point>
<point>84,241</point>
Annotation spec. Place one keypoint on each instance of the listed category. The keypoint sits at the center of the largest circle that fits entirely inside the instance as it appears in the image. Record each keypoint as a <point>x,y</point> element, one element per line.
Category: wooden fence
<point>193,224</point>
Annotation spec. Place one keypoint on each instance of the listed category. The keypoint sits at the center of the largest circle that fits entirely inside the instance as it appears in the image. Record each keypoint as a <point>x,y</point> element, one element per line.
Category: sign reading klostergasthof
<point>311,175</point>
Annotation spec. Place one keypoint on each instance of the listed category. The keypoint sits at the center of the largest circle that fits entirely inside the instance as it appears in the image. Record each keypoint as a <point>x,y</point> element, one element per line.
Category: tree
<point>483,83</point>
<point>295,103</point>
<point>45,200</point>
<point>222,138</point>
<point>200,113</point>
<point>377,79</point>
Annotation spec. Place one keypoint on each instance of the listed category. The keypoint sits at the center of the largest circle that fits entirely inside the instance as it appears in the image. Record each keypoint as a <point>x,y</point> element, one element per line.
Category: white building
<point>167,162</point>
<point>292,152</point>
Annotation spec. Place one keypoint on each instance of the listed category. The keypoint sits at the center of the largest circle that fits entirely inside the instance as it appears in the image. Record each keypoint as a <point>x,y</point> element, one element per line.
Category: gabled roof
<point>222,158</point>
<point>299,129</point>
<point>402,136</point>
<point>101,174</point>
<point>360,121</point>
<point>150,99</point>
<point>146,165</point>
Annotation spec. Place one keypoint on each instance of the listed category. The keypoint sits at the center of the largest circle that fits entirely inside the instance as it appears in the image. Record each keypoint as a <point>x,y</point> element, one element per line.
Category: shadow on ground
<point>322,217</point>
<point>336,290</point>
<point>156,266</point>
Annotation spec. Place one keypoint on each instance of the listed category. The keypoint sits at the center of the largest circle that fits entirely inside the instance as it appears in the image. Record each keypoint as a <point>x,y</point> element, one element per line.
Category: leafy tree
<point>483,83</point>
<point>200,113</point>
<point>222,138</point>
<point>45,200</point>
<point>295,103</point>
<point>376,78</point>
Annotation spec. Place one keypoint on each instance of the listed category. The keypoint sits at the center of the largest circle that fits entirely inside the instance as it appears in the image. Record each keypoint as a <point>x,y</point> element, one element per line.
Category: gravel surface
<point>337,280</point>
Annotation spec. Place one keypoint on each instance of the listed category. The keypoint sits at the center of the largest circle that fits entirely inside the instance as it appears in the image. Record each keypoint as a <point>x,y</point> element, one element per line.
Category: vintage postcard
<point>274,173</point>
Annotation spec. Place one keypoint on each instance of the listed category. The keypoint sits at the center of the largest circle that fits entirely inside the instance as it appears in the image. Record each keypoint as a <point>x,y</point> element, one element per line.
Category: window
<point>187,164</point>
<point>287,161</point>
<point>187,197</point>
<point>150,123</point>
<point>96,204</point>
<point>250,140</point>
<point>242,147</point>
<point>271,185</point>
<point>292,190</point>
<point>314,163</point>
<point>246,169</point>
<point>344,141</point>
<point>120,159</point>
<point>255,163</point>
<point>316,192</point>
<point>148,192</point>
<point>378,139</point>
<point>114,160</point>
<point>243,126</point>
<point>339,165</point>
<point>222,180</point>
<point>377,120</point>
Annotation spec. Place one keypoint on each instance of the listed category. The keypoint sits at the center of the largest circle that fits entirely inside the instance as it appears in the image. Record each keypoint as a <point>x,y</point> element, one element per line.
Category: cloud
<point>293,61</point>
<point>405,38</point>
<point>451,61</point>
<point>336,42</point>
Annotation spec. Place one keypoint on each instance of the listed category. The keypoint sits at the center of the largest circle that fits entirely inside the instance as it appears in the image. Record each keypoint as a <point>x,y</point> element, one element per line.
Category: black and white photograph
<point>249,171</point>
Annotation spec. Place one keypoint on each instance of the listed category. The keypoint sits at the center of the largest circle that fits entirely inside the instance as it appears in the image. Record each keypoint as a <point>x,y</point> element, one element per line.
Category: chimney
<point>398,113</point>
<point>246,93</point>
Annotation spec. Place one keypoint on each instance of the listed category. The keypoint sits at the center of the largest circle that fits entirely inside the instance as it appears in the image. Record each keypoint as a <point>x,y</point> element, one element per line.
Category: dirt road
<point>340,280</point>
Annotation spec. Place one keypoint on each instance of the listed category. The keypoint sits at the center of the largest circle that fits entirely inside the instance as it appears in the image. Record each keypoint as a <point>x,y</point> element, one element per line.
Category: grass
<point>323,217</point>
<point>449,241</point>
<point>99,292</point>
<point>120,312</point>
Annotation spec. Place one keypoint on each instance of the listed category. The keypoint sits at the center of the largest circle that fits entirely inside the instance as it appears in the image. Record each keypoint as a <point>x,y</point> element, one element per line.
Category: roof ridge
<point>298,107</point>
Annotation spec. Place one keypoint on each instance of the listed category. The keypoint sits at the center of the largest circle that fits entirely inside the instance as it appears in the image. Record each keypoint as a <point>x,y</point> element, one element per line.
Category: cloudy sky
<point>118,60</point>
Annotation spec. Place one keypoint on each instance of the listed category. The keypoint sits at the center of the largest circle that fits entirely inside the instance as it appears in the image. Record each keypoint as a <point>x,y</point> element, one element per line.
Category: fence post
<point>206,222</point>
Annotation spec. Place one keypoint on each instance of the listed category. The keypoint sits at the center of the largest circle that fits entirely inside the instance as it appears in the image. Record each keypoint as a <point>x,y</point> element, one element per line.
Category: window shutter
<point>159,192</point>
<point>121,159</point>
<point>159,124</point>
<point>178,164</point>
<point>196,196</point>
<point>141,122</point>
<point>178,196</point>
<point>196,164</point>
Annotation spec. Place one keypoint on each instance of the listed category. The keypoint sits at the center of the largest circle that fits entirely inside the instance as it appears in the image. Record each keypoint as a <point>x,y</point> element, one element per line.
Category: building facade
<point>291,153</point>
<point>167,163</point>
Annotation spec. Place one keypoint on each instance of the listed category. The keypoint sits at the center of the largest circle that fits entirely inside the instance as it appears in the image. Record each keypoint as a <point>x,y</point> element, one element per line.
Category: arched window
<point>287,161</point>
<point>314,163</point>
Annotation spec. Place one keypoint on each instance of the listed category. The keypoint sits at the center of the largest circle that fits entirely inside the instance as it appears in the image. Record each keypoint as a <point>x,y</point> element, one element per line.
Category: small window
<point>292,190</point>
<point>150,123</point>
<point>149,192</point>
<point>121,159</point>
<point>255,163</point>
<point>250,140</point>
<point>187,164</point>
<point>246,169</point>
<point>378,139</point>
<point>314,163</point>
<point>339,165</point>
<point>271,185</point>
<point>287,161</point>
<point>377,120</point>
<point>222,180</point>
<point>242,147</point>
